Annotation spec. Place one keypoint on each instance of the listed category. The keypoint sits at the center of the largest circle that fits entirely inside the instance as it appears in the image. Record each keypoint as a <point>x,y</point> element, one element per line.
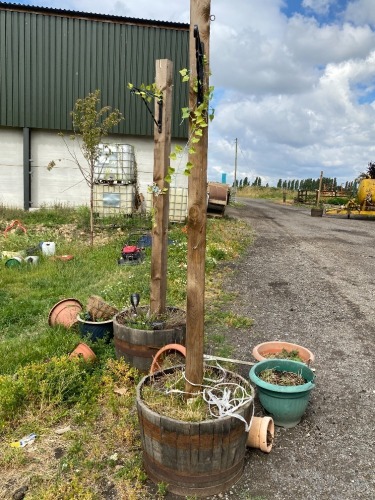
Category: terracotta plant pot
<point>83,350</point>
<point>65,313</point>
<point>64,258</point>
<point>261,434</point>
<point>261,351</point>
<point>164,351</point>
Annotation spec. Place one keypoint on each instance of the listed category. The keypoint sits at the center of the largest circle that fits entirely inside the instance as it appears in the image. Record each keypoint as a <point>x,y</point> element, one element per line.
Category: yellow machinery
<point>365,205</point>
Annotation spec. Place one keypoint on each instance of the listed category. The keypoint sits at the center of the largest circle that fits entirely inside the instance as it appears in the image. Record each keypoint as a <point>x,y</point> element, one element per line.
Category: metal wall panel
<point>49,61</point>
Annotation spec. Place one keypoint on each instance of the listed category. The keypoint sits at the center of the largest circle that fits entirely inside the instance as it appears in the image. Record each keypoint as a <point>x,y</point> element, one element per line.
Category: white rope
<point>220,397</point>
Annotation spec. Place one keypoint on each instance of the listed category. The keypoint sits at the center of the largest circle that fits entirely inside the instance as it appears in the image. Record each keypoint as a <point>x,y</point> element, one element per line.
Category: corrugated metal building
<point>48,59</point>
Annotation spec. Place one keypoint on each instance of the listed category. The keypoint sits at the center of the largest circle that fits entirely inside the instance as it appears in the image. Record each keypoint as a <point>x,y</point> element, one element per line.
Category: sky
<point>294,83</point>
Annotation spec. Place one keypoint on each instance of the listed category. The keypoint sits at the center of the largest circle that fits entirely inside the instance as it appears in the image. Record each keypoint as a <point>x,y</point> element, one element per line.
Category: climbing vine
<point>199,116</point>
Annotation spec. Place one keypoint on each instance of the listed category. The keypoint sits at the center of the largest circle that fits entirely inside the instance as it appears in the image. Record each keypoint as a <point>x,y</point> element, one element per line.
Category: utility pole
<point>235,166</point>
<point>320,188</point>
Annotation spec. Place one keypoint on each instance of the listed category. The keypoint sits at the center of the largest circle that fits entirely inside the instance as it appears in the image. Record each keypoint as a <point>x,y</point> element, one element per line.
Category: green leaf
<point>173,156</point>
<point>168,178</point>
<point>185,113</point>
<point>178,148</point>
<point>171,170</point>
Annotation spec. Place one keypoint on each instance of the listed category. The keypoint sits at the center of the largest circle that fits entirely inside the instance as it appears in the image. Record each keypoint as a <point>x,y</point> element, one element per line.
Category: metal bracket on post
<point>144,94</point>
<point>160,118</point>
<point>199,54</point>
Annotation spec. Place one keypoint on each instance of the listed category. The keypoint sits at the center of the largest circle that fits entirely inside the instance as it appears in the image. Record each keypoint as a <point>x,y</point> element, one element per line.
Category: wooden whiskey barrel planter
<point>138,347</point>
<point>193,458</point>
<point>316,212</point>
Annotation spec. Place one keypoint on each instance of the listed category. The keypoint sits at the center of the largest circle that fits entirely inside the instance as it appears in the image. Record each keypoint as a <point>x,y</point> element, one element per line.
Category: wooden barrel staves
<point>193,458</point>
<point>138,347</point>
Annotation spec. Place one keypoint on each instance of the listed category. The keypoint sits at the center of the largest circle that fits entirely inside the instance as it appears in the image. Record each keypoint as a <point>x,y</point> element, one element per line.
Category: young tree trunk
<point>92,205</point>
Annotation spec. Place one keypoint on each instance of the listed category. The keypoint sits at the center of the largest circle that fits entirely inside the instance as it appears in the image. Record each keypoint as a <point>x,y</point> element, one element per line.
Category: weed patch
<point>43,390</point>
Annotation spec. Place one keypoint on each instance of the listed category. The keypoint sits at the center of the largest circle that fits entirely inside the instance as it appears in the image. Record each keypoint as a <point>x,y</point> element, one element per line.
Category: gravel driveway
<point>311,281</point>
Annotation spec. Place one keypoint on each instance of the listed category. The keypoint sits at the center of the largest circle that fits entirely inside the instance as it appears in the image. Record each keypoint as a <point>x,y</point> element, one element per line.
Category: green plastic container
<point>14,262</point>
<point>286,404</point>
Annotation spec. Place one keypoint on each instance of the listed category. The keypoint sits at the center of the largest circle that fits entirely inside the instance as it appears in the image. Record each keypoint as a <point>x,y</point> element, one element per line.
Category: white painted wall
<point>11,167</point>
<point>64,183</point>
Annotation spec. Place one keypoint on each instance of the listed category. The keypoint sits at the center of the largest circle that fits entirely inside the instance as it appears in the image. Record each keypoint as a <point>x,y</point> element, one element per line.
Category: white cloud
<point>318,6</point>
<point>360,12</point>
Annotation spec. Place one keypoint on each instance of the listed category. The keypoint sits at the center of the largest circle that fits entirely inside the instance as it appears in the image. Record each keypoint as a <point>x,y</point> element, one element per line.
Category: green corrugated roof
<point>51,57</point>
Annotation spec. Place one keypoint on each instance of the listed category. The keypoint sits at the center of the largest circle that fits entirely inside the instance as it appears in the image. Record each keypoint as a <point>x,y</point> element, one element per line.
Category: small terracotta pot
<point>261,434</point>
<point>64,258</point>
<point>156,363</point>
<point>83,350</point>
<point>65,313</point>
<point>260,351</point>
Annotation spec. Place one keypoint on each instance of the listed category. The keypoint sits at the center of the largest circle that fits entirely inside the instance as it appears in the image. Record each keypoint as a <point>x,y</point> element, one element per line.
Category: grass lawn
<point>87,442</point>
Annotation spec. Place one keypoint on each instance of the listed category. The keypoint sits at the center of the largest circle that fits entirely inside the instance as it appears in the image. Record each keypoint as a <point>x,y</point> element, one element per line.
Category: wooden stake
<point>162,149</point>
<point>197,211</point>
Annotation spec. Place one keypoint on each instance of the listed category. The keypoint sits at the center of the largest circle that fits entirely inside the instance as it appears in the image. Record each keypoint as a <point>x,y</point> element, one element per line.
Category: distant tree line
<point>328,184</point>
<point>245,183</point>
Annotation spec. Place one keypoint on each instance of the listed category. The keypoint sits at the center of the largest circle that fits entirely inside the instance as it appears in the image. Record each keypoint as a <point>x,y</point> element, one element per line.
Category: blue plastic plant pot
<point>286,404</point>
<point>95,330</point>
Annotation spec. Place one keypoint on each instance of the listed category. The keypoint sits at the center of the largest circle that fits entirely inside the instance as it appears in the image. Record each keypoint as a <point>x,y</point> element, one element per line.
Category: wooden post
<point>320,188</point>
<point>197,211</point>
<point>162,149</point>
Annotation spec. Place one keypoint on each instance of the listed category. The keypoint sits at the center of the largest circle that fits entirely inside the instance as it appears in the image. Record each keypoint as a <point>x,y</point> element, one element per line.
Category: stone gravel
<point>310,281</point>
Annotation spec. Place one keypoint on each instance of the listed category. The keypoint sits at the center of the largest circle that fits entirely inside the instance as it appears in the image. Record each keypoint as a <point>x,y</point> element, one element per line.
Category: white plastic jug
<point>48,248</point>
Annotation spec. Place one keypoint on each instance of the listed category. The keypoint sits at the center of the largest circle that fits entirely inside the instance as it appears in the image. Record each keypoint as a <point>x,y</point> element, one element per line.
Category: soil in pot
<point>138,337</point>
<point>285,354</point>
<point>277,377</point>
<point>184,445</point>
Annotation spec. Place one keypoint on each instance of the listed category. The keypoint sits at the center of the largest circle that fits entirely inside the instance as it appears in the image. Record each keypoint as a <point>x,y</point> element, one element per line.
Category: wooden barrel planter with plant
<point>199,458</point>
<point>317,212</point>
<point>138,338</point>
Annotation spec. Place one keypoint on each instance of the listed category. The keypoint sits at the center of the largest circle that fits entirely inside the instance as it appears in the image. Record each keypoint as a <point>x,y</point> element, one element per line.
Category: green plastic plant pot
<point>286,404</point>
